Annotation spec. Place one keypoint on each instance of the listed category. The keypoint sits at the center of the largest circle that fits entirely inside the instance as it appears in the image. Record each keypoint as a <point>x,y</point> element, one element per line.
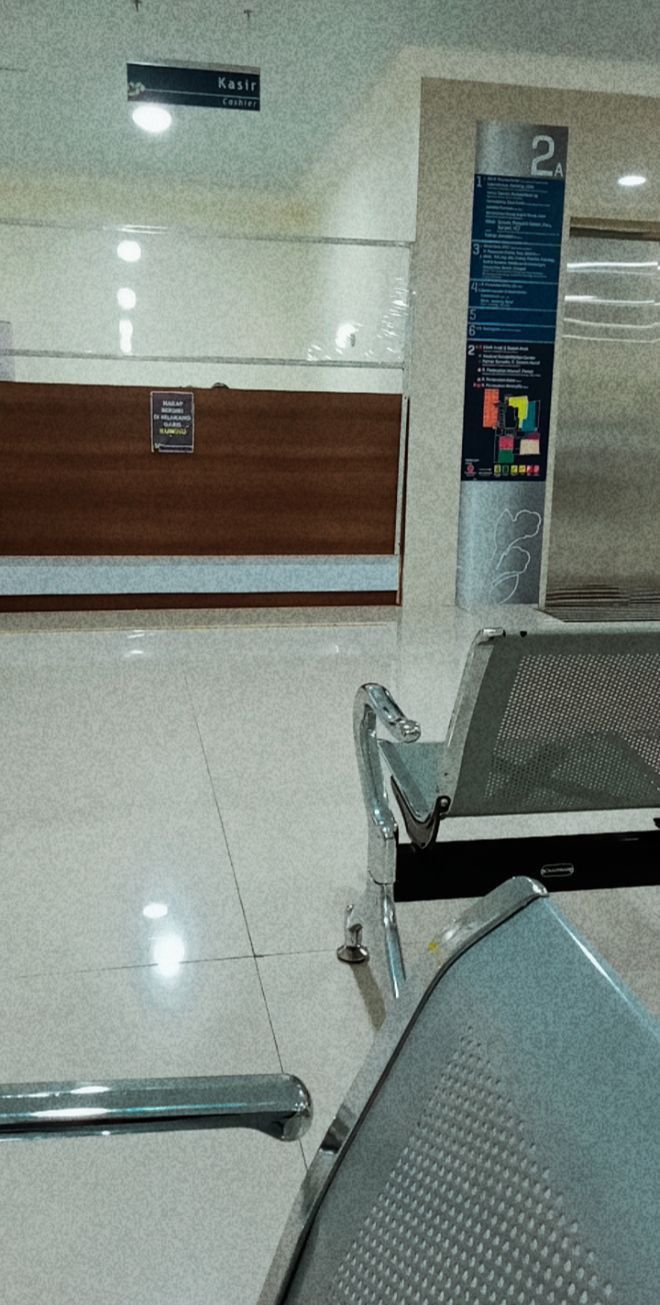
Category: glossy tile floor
<point>182,828</point>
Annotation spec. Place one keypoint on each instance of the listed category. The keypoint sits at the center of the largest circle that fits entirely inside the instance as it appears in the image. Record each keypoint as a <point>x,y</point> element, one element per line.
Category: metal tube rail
<point>276,1104</point>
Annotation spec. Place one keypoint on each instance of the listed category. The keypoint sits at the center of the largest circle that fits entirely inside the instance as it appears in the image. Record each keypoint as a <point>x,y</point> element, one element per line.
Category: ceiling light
<point>126,298</point>
<point>632,179</point>
<point>152,118</point>
<point>129,250</point>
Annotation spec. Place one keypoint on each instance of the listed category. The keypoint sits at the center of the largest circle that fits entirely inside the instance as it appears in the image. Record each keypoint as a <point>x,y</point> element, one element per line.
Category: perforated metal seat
<point>507,1147</point>
<point>560,722</point>
<point>500,1146</point>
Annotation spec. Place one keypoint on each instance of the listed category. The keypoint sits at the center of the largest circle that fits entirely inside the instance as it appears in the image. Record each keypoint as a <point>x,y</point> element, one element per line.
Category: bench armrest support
<point>375,706</point>
<point>276,1104</point>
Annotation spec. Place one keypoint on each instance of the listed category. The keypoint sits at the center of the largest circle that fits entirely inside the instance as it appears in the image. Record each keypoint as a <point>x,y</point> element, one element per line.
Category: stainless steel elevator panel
<point>604,523</point>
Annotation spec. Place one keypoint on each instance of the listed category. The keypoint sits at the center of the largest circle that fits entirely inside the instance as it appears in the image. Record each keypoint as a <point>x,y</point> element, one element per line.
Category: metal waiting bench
<point>500,1146</point>
<point>543,722</point>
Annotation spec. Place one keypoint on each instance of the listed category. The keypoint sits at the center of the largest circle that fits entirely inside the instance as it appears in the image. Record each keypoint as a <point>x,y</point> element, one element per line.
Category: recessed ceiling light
<point>632,179</point>
<point>126,298</point>
<point>129,250</point>
<point>152,118</point>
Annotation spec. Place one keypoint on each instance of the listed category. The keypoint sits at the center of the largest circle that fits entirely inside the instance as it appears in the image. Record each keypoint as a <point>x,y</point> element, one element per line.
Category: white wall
<point>59,290</point>
<point>365,182</point>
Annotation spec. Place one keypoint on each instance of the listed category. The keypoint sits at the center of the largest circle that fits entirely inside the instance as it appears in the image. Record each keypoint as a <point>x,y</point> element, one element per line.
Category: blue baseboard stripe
<point>22,576</point>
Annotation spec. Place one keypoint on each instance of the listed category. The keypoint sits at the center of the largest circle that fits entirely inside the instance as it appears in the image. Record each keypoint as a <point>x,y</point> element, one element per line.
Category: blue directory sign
<point>517,221</point>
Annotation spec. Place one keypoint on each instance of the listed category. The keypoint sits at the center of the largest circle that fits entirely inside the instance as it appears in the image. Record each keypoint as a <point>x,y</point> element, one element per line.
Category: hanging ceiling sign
<point>191,84</point>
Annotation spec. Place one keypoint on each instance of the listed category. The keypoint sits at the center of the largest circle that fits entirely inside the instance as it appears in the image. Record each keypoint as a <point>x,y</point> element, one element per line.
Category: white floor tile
<point>89,742</point>
<point>277,726</point>
<point>168,1218</point>
<point>74,891</point>
<point>323,1021</point>
<point>207,1017</point>
<point>297,868</point>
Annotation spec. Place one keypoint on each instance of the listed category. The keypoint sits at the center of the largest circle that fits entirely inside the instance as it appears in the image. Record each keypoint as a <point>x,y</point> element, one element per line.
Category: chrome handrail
<point>276,1104</point>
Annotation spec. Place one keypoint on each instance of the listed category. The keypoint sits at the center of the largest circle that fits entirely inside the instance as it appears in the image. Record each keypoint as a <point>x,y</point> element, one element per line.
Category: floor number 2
<point>549,144</point>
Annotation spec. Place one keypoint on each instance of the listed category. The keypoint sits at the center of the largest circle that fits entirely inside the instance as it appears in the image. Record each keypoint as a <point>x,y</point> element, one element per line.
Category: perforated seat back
<point>564,723</point>
<point>511,1153</point>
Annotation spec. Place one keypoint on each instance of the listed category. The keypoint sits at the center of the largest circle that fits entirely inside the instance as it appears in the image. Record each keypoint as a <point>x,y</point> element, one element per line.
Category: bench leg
<point>375,914</point>
<point>352,950</point>
<point>391,941</point>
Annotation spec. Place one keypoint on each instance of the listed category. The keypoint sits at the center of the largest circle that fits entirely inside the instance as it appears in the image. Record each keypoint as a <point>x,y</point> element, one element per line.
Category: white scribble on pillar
<point>510,560</point>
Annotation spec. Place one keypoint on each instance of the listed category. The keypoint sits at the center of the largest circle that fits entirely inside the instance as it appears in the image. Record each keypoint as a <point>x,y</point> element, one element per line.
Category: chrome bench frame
<point>375,914</point>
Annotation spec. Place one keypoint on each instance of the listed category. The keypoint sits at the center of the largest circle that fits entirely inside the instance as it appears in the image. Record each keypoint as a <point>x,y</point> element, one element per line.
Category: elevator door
<point>604,530</point>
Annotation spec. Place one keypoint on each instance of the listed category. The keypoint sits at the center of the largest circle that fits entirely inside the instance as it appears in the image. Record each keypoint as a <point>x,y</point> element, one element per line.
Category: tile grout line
<point>10,976</point>
<point>217,807</point>
<point>231,862</point>
<point>247,927</point>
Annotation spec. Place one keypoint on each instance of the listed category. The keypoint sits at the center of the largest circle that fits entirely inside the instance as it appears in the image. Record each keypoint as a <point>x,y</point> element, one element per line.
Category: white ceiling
<point>67,111</point>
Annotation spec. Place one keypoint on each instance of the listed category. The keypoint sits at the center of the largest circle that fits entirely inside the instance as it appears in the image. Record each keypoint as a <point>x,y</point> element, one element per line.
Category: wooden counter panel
<point>273,472</point>
<point>156,602</point>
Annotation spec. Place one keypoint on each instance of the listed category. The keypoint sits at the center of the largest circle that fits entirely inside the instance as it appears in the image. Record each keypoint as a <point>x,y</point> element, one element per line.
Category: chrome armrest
<point>375,705</point>
<point>276,1104</point>
<point>388,713</point>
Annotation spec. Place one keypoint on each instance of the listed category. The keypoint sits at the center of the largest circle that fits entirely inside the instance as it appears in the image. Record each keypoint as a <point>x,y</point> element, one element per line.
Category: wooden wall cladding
<point>272,473</point>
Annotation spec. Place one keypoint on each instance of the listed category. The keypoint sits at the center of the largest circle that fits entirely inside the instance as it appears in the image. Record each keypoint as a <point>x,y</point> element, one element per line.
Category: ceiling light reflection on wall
<point>129,250</point>
<point>620,303</point>
<point>632,179</point>
<point>74,1112</point>
<point>126,335</point>
<point>126,298</point>
<point>346,335</point>
<point>597,265</point>
<point>155,910</point>
<point>152,118</point>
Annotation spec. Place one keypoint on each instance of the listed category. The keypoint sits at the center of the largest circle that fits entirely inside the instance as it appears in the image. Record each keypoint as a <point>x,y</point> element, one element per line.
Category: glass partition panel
<point>171,306</point>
